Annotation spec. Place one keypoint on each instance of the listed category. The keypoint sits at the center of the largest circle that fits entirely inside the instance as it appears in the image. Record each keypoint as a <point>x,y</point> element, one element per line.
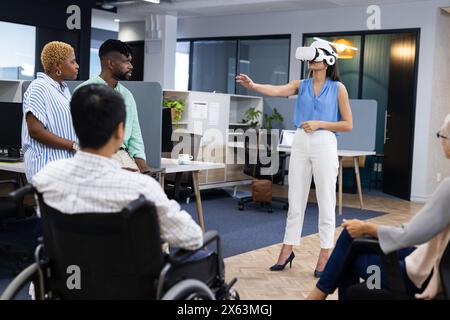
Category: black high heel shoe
<point>280,267</point>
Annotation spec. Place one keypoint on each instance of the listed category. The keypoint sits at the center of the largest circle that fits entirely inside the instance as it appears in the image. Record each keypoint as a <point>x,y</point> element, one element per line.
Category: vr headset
<point>318,51</point>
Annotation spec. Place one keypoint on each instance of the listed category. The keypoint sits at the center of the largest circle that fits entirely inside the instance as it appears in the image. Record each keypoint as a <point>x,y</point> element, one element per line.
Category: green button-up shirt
<point>133,136</point>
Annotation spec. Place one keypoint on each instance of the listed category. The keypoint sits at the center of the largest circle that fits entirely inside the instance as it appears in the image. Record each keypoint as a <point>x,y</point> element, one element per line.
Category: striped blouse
<point>49,102</point>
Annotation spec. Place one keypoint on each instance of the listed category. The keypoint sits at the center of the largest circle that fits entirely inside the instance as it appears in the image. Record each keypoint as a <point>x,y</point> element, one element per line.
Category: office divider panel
<point>148,96</point>
<point>363,135</point>
<point>361,138</point>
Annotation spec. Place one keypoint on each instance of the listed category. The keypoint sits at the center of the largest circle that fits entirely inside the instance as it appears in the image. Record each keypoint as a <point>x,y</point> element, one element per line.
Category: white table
<point>172,166</point>
<point>355,154</point>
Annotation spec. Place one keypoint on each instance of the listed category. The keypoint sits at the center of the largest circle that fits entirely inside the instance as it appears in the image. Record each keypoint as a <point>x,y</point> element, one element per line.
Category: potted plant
<point>275,116</point>
<point>177,106</point>
<point>252,117</point>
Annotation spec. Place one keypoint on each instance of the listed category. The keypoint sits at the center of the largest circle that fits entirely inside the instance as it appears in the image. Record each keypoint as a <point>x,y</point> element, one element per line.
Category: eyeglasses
<point>439,135</point>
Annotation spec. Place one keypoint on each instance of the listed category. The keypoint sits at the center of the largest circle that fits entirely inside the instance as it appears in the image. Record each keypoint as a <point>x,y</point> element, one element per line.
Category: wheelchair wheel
<point>234,295</point>
<point>189,289</point>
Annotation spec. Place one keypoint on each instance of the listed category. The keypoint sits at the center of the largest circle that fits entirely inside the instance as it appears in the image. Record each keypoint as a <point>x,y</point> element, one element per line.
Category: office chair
<point>118,256</point>
<point>9,211</point>
<point>181,185</point>
<point>255,170</point>
<point>390,261</point>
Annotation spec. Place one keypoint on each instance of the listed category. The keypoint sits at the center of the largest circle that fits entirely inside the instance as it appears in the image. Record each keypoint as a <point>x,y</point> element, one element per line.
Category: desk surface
<point>13,166</point>
<point>341,153</point>
<point>171,166</point>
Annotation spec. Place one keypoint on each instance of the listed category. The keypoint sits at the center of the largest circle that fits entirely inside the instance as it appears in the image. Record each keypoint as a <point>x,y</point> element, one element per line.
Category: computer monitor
<point>11,127</point>
<point>166,140</point>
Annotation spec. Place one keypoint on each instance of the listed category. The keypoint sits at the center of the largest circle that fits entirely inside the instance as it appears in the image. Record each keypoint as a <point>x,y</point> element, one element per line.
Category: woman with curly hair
<point>47,130</point>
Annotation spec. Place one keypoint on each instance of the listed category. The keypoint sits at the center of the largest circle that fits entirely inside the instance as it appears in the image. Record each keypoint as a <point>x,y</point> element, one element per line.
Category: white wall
<point>132,31</point>
<point>412,15</point>
<point>104,20</point>
<point>438,165</point>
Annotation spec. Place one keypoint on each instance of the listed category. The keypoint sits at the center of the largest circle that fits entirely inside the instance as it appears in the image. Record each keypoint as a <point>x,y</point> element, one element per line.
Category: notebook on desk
<point>286,138</point>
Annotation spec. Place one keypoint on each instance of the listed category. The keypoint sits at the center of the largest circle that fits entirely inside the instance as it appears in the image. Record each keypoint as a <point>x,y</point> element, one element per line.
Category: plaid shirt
<point>92,183</point>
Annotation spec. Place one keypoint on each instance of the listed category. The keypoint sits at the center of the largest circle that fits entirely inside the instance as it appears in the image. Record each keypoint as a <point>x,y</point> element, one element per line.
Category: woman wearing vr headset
<point>322,109</point>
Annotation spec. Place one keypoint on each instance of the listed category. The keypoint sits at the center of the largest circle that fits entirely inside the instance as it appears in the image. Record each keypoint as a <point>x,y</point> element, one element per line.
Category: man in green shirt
<point>115,58</point>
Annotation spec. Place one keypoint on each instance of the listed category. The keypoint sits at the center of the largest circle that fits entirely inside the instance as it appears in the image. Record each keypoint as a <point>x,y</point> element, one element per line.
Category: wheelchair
<point>391,264</point>
<point>97,256</point>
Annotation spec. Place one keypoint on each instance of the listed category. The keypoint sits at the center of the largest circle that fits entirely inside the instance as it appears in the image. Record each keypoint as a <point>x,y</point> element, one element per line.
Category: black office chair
<point>392,267</point>
<point>180,185</point>
<point>254,167</point>
<point>11,211</point>
<point>116,256</point>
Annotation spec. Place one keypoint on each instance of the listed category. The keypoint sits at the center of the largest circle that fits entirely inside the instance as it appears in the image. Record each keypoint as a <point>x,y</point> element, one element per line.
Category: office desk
<point>355,154</point>
<point>172,166</point>
<point>18,167</point>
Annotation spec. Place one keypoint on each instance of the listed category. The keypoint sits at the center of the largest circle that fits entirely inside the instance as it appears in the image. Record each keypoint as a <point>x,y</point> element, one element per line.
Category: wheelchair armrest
<point>367,245</point>
<point>19,194</point>
<point>210,236</point>
<point>390,261</point>
<point>181,255</point>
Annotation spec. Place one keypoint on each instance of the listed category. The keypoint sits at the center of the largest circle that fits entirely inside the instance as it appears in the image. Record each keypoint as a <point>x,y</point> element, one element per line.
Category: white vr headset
<point>318,51</point>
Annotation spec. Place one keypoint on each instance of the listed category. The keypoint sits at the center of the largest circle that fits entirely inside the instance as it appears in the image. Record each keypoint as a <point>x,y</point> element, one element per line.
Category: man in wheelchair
<point>103,226</point>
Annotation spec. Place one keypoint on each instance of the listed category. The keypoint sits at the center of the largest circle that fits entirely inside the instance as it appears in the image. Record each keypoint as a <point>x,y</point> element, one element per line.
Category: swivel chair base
<point>243,201</point>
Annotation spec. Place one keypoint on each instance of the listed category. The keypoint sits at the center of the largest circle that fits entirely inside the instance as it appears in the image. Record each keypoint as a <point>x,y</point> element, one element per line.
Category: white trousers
<point>312,154</point>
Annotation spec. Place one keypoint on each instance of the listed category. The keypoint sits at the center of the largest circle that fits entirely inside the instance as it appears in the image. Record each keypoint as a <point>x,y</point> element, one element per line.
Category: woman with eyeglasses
<point>421,242</point>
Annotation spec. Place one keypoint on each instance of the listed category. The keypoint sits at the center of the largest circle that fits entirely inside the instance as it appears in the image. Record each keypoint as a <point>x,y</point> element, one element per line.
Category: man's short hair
<point>96,112</point>
<point>112,45</point>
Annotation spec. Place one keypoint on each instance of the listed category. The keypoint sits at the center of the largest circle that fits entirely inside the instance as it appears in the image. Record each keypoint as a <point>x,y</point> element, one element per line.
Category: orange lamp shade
<point>344,49</point>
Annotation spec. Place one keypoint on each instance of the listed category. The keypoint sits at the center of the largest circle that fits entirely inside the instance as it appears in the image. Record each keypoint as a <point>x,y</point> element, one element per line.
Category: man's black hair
<point>112,45</point>
<point>96,112</point>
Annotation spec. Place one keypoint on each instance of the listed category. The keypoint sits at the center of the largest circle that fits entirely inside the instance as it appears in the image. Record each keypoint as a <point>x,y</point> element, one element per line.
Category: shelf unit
<point>216,116</point>
<point>10,90</point>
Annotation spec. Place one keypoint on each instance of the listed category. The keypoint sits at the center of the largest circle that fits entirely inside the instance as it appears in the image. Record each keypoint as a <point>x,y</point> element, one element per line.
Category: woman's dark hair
<point>332,71</point>
<point>96,112</point>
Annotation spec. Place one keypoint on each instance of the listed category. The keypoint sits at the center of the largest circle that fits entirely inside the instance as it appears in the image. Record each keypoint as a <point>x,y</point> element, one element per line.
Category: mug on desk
<point>184,158</point>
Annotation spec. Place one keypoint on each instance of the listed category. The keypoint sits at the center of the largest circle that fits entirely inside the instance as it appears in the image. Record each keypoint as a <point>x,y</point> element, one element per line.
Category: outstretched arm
<point>286,90</point>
